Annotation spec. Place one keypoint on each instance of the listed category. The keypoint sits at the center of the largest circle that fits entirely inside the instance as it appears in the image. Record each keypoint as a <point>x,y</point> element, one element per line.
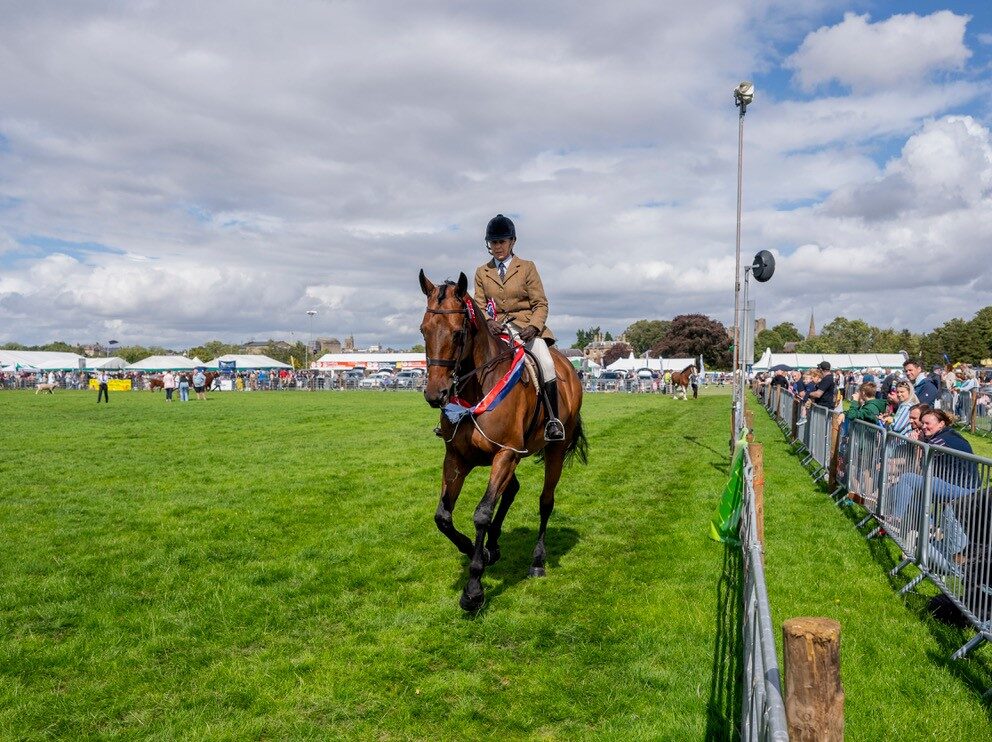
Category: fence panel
<point>763,711</point>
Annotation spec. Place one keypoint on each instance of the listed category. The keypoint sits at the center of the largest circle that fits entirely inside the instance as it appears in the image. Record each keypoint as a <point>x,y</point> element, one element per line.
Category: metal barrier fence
<point>935,503</point>
<point>762,708</point>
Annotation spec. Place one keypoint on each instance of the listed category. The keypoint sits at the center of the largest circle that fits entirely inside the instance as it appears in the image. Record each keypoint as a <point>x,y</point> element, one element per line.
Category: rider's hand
<point>528,333</point>
<point>494,327</point>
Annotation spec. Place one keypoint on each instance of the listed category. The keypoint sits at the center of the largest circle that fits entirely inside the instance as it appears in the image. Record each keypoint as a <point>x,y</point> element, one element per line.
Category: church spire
<point>812,326</point>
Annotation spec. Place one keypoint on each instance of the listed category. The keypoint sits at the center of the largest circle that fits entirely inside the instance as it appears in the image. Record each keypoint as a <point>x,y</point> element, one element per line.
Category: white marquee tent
<point>248,361</point>
<point>106,364</point>
<point>164,363</point>
<point>635,363</point>
<point>40,359</point>
<point>843,361</point>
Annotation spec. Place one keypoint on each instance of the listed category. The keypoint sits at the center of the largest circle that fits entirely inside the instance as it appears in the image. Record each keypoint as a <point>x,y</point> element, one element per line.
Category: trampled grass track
<point>266,565</point>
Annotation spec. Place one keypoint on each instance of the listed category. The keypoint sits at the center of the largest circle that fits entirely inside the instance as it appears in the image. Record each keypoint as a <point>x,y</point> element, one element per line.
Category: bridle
<point>460,336</point>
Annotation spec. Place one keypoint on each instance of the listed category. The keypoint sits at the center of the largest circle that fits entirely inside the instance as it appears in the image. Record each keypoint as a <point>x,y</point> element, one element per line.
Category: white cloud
<point>899,51</point>
<point>320,158</point>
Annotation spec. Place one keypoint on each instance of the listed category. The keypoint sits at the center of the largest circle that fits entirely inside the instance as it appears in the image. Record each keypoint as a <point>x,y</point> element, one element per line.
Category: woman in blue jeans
<point>951,477</point>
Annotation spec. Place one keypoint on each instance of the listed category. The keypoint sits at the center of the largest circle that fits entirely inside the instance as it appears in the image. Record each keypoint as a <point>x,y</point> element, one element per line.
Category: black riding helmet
<point>500,228</point>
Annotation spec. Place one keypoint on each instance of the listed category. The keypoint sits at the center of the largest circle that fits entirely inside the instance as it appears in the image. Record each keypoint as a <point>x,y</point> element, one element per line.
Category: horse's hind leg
<point>453,477</point>
<point>496,528</point>
<point>554,458</point>
<point>503,468</point>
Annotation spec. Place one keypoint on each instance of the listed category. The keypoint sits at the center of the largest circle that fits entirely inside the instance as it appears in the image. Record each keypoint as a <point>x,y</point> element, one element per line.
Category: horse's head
<point>446,334</point>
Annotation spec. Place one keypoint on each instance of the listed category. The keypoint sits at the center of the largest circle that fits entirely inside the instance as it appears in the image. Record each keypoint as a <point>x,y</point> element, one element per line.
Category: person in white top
<point>103,390</point>
<point>169,384</point>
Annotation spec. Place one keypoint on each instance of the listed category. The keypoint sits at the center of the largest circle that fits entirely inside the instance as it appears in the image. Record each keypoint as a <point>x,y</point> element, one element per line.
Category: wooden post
<point>974,406</point>
<point>749,422</point>
<point>796,408</point>
<point>834,450</point>
<point>758,462</point>
<point>814,696</point>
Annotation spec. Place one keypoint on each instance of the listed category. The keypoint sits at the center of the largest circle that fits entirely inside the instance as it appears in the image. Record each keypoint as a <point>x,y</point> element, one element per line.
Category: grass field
<point>267,566</point>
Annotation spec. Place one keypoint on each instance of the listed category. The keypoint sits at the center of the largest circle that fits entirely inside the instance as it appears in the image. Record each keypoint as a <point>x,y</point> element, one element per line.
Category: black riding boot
<point>554,430</point>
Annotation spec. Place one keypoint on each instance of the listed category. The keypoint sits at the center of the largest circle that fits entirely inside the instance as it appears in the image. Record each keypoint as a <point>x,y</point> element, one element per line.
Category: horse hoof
<point>494,556</point>
<point>472,603</point>
<point>536,572</point>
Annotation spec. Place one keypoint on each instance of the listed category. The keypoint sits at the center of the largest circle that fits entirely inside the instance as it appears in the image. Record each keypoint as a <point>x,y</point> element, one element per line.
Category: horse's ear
<point>462,285</point>
<point>425,285</point>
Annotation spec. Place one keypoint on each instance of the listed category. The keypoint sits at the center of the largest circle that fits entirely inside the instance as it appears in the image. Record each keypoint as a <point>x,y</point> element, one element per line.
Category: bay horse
<point>680,381</point>
<point>465,360</point>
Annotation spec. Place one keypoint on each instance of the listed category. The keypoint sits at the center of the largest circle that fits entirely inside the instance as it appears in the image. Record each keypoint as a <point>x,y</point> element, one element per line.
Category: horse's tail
<point>579,445</point>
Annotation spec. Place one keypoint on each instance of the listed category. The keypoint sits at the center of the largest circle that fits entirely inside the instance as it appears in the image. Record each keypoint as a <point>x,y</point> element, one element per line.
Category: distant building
<point>760,325</point>
<point>326,345</point>
<point>262,347</point>
<point>597,348</point>
<point>812,326</point>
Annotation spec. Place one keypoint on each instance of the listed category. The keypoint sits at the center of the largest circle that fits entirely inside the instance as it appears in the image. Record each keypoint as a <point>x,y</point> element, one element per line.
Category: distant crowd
<point>942,388</point>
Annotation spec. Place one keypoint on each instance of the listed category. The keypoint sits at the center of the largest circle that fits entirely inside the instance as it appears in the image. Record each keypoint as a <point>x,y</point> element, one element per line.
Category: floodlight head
<point>744,93</point>
<point>763,266</point>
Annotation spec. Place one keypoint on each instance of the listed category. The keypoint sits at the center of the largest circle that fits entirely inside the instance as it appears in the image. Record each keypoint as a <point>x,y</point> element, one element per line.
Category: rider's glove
<point>494,327</point>
<point>528,333</point>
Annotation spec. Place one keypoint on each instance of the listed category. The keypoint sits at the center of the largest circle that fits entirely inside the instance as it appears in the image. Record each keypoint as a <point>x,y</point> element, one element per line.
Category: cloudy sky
<point>173,172</point>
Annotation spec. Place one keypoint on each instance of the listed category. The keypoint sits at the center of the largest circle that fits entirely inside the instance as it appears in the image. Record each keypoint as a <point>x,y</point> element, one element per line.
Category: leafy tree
<point>584,337</point>
<point>692,335</point>
<point>788,332</point>
<point>212,349</point>
<point>849,335</point>
<point>818,344</point>
<point>608,336</point>
<point>767,339</point>
<point>418,348</point>
<point>645,334</point>
<point>616,352</point>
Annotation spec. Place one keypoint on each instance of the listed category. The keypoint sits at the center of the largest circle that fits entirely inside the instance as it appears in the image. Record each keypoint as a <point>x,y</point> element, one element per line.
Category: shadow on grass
<point>975,671</point>
<point>722,468</point>
<point>517,552</point>
<point>723,707</point>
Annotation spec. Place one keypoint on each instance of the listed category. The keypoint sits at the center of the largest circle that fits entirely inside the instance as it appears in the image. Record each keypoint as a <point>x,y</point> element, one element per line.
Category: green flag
<point>723,526</point>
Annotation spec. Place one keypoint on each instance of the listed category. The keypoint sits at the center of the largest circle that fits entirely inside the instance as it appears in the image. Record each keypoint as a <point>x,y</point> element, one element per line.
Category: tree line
<point>694,335</point>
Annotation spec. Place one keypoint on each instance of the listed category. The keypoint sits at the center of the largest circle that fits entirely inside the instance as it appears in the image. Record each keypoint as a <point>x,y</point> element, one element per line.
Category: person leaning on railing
<point>898,420</point>
<point>951,477</point>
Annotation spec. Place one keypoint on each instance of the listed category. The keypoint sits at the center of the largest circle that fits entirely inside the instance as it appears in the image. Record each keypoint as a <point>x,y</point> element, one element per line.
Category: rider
<point>515,288</point>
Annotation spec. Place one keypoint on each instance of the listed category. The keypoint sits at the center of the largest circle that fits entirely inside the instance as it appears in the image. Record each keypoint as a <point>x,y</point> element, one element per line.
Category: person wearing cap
<point>515,288</point>
<point>826,389</point>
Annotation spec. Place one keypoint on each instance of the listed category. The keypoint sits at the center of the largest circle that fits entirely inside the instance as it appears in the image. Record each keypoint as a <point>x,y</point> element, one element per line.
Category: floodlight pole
<point>743,95</point>
<point>310,313</point>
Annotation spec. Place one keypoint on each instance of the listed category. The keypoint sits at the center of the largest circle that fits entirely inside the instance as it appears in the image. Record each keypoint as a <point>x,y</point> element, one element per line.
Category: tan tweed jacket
<point>519,297</point>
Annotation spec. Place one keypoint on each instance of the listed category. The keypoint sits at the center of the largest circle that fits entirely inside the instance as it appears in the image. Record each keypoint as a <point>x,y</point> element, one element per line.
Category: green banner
<point>723,526</point>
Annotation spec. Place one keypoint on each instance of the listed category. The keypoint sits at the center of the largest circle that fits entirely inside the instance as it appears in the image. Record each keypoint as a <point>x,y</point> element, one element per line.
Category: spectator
<point>183,388</point>
<point>779,379</point>
<point>915,423</point>
<point>925,389</point>
<point>168,384</point>
<point>899,420</point>
<point>865,405</point>
<point>103,392</point>
<point>825,392</point>
<point>200,384</point>
<point>951,477</point>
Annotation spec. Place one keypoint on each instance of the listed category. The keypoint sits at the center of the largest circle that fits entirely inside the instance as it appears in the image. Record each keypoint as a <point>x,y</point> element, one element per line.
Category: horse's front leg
<point>504,466</point>
<point>496,528</point>
<point>452,479</point>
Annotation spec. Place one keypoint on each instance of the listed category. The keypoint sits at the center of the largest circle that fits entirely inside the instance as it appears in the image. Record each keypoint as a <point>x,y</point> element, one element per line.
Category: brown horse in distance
<point>680,381</point>
<point>466,360</point>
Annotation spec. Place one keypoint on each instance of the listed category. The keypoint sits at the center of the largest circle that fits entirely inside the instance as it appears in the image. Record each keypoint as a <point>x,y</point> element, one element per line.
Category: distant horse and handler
<point>493,416</point>
<point>681,381</point>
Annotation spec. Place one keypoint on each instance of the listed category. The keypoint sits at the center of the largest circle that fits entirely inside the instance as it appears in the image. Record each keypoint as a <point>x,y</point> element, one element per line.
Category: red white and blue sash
<point>457,408</point>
